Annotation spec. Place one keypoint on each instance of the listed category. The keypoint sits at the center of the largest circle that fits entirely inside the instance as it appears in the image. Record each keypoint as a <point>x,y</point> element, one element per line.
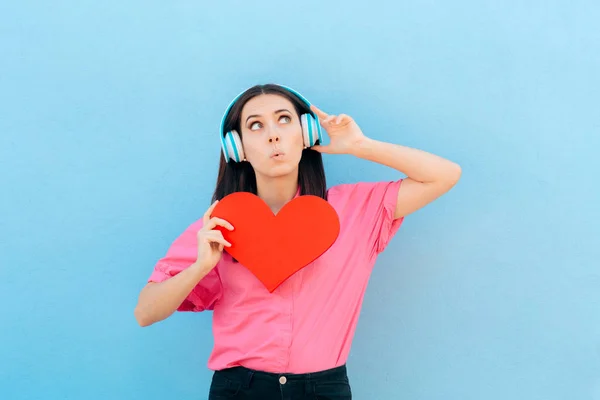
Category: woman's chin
<point>280,169</point>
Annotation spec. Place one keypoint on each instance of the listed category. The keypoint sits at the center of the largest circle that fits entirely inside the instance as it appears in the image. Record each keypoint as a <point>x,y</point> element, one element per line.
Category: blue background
<point>109,115</point>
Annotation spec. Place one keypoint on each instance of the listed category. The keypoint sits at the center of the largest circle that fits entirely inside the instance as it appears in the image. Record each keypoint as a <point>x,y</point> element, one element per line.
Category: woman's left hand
<point>344,134</point>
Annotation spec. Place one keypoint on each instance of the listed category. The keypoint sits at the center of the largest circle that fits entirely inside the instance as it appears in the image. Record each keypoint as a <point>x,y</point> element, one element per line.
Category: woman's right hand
<point>210,240</point>
<point>158,301</point>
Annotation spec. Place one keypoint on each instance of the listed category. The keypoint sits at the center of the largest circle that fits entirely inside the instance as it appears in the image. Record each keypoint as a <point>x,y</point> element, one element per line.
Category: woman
<point>292,343</point>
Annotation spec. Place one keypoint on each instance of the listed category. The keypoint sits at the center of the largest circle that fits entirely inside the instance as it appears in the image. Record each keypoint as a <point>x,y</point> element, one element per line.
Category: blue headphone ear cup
<point>311,130</point>
<point>224,147</point>
<point>232,147</point>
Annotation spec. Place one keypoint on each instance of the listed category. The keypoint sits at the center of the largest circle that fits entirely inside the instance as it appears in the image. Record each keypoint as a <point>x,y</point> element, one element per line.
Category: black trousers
<point>245,384</point>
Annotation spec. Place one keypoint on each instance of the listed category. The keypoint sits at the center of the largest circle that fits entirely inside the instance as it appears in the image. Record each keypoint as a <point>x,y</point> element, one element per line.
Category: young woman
<point>292,343</point>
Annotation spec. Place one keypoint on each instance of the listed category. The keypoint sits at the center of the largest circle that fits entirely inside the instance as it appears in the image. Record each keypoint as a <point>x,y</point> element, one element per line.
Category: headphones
<point>232,143</point>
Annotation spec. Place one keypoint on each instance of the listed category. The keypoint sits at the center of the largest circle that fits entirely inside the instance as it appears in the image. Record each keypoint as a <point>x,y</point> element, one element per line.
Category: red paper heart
<point>274,247</point>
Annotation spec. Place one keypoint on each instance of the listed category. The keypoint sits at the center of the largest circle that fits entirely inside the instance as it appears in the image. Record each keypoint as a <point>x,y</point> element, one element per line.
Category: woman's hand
<point>344,134</point>
<point>211,241</point>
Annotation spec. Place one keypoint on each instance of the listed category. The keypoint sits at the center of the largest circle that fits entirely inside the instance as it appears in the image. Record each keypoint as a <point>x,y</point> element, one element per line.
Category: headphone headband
<point>235,99</point>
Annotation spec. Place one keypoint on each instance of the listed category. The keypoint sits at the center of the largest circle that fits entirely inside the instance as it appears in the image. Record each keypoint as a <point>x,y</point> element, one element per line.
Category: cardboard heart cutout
<point>274,247</point>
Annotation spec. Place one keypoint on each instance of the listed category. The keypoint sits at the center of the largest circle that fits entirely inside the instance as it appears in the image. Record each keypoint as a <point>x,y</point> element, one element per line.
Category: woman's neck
<point>276,192</point>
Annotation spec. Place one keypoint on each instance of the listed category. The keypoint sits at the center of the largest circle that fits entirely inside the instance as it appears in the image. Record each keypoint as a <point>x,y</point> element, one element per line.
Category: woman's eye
<point>257,125</point>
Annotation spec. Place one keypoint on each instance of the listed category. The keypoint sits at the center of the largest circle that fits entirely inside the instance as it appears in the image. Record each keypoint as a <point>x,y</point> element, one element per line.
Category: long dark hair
<point>240,176</point>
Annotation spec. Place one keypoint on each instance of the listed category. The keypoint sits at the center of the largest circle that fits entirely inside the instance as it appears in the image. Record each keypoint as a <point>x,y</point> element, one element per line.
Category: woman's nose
<point>273,136</point>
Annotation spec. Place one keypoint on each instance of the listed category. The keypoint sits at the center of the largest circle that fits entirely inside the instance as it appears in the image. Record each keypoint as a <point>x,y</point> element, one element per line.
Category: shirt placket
<point>285,328</point>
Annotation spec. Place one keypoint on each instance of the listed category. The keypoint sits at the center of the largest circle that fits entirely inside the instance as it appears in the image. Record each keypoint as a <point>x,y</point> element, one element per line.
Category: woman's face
<point>271,135</point>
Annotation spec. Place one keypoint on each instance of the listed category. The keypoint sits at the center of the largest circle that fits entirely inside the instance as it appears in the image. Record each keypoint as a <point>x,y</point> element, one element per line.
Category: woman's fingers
<point>216,221</point>
<point>328,119</point>
<point>217,237</point>
<point>206,216</point>
<point>321,114</point>
<point>340,118</point>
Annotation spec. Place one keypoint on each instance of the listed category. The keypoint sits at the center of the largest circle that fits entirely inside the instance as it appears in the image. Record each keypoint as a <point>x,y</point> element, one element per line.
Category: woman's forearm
<point>157,301</point>
<point>416,164</point>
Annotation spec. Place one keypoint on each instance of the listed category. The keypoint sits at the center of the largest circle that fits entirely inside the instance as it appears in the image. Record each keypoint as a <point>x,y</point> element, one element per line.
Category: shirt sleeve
<point>374,205</point>
<point>183,253</point>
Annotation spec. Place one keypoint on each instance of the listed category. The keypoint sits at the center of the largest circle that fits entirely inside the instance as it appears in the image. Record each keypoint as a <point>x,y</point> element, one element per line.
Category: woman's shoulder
<point>361,188</point>
<point>344,188</point>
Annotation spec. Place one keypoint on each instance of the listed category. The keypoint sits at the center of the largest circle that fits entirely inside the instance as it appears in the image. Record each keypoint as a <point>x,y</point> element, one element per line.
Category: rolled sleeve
<point>181,254</point>
<point>374,205</point>
<point>389,224</point>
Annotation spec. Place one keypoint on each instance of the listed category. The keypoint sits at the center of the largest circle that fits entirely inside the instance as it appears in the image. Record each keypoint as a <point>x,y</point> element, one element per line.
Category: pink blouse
<point>307,324</point>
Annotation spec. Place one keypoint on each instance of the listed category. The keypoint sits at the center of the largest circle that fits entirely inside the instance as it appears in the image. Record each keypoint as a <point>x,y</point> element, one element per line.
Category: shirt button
<point>283,380</point>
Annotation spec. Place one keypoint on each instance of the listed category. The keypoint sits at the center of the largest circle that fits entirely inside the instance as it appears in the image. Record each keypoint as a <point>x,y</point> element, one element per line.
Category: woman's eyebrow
<point>276,112</point>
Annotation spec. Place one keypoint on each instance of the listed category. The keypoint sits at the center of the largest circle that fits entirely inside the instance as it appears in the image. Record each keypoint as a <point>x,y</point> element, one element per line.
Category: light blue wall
<point>109,113</point>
